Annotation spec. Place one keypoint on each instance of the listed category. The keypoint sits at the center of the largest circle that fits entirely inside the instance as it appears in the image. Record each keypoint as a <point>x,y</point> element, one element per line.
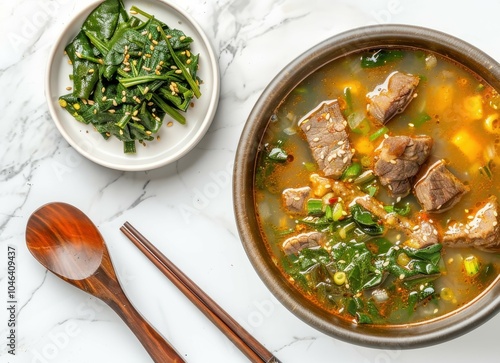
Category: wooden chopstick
<point>254,351</point>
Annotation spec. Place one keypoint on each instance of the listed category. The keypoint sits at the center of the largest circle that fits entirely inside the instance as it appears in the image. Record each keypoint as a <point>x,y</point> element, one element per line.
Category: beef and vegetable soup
<point>376,186</point>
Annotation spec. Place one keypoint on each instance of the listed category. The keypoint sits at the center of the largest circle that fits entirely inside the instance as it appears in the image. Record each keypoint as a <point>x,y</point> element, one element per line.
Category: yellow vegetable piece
<point>339,277</point>
<point>492,123</point>
<point>363,145</point>
<point>441,99</point>
<point>467,144</point>
<point>473,107</point>
<point>447,294</point>
<point>403,259</point>
<point>319,185</point>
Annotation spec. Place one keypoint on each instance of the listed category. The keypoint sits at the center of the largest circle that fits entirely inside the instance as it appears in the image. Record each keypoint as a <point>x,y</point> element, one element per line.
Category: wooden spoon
<point>66,242</point>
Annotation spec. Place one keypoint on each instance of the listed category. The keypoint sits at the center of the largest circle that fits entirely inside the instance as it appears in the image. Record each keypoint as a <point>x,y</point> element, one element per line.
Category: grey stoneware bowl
<point>415,335</point>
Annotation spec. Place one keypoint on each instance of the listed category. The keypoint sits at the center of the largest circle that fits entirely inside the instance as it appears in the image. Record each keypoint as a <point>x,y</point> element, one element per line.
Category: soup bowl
<point>429,332</point>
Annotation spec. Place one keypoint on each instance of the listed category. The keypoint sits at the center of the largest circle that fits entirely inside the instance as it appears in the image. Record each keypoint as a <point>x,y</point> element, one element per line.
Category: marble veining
<point>185,208</point>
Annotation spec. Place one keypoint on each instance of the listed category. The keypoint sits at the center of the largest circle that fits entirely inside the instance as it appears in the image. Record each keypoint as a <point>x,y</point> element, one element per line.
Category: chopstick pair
<point>248,345</point>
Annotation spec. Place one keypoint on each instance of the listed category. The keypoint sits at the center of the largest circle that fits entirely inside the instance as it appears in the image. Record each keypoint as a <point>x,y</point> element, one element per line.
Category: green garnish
<point>129,73</point>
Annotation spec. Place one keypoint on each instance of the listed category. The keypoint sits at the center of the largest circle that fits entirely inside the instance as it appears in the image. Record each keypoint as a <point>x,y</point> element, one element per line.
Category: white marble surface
<point>185,208</point>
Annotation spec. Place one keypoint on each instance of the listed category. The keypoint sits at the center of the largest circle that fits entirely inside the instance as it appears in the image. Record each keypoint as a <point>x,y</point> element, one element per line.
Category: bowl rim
<point>427,333</point>
<point>210,65</point>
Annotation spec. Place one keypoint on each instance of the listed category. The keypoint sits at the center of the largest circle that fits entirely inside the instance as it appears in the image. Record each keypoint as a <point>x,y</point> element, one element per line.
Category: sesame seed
<point>170,124</point>
<point>112,111</point>
<point>411,125</point>
<point>104,98</point>
<point>316,139</point>
<point>124,99</point>
<point>178,71</point>
<point>341,142</point>
<point>308,127</point>
<point>182,38</point>
<point>398,200</point>
<point>327,116</point>
<point>401,277</point>
<point>68,88</point>
<point>344,160</point>
<point>495,223</point>
<point>386,136</point>
<point>392,161</point>
<point>115,103</point>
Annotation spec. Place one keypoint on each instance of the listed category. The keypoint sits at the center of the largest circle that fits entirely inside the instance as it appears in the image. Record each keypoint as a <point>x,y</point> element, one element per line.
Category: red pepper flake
<point>333,200</point>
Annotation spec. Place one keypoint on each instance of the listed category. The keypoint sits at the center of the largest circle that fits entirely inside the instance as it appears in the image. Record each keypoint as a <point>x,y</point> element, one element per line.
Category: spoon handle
<point>157,347</point>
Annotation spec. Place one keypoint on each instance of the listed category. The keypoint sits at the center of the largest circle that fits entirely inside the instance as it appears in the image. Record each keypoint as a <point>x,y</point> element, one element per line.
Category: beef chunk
<point>438,189</point>
<point>392,96</point>
<point>304,240</point>
<point>294,199</point>
<point>399,160</point>
<point>482,231</point>
<point>324,128</point>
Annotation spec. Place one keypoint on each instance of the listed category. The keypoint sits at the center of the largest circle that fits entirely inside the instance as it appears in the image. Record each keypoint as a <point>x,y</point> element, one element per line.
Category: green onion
<point>421,118</point>
<point>315,206</point>
<point>348,100</point>
<point>337,212</point>
<point>486,170</point>
<point>351,172</point>
<point>471,265</point>
<point>382,131</point>
<point>365,177</point>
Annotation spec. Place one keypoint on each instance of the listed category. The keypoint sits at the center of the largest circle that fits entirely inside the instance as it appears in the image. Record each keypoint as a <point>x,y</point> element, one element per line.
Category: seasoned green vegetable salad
<point>129,73</point>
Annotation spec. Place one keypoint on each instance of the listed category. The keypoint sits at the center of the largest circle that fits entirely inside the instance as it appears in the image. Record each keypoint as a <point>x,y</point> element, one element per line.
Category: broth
<point>453,106</point>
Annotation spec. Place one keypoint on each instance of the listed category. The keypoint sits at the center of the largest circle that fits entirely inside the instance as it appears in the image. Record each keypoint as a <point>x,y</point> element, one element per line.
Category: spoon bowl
<point>66,242</point>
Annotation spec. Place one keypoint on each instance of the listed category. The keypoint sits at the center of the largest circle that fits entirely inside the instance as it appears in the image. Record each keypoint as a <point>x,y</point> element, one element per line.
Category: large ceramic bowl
<point>434,331</point>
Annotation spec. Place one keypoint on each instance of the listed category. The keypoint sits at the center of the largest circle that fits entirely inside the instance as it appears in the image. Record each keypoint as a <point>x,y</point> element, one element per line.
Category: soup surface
<point>363,240</point>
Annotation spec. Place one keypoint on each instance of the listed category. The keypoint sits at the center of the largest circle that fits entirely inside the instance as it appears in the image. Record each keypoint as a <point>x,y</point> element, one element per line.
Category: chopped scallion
<point>471,265</point>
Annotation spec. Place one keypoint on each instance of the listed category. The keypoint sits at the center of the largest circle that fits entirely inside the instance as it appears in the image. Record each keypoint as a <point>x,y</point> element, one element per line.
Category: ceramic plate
<point>174,141</point>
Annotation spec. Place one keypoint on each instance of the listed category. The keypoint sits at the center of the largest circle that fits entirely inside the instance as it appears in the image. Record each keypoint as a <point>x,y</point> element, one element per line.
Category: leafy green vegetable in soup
<point>129,73</point>
<point>403,226</point>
